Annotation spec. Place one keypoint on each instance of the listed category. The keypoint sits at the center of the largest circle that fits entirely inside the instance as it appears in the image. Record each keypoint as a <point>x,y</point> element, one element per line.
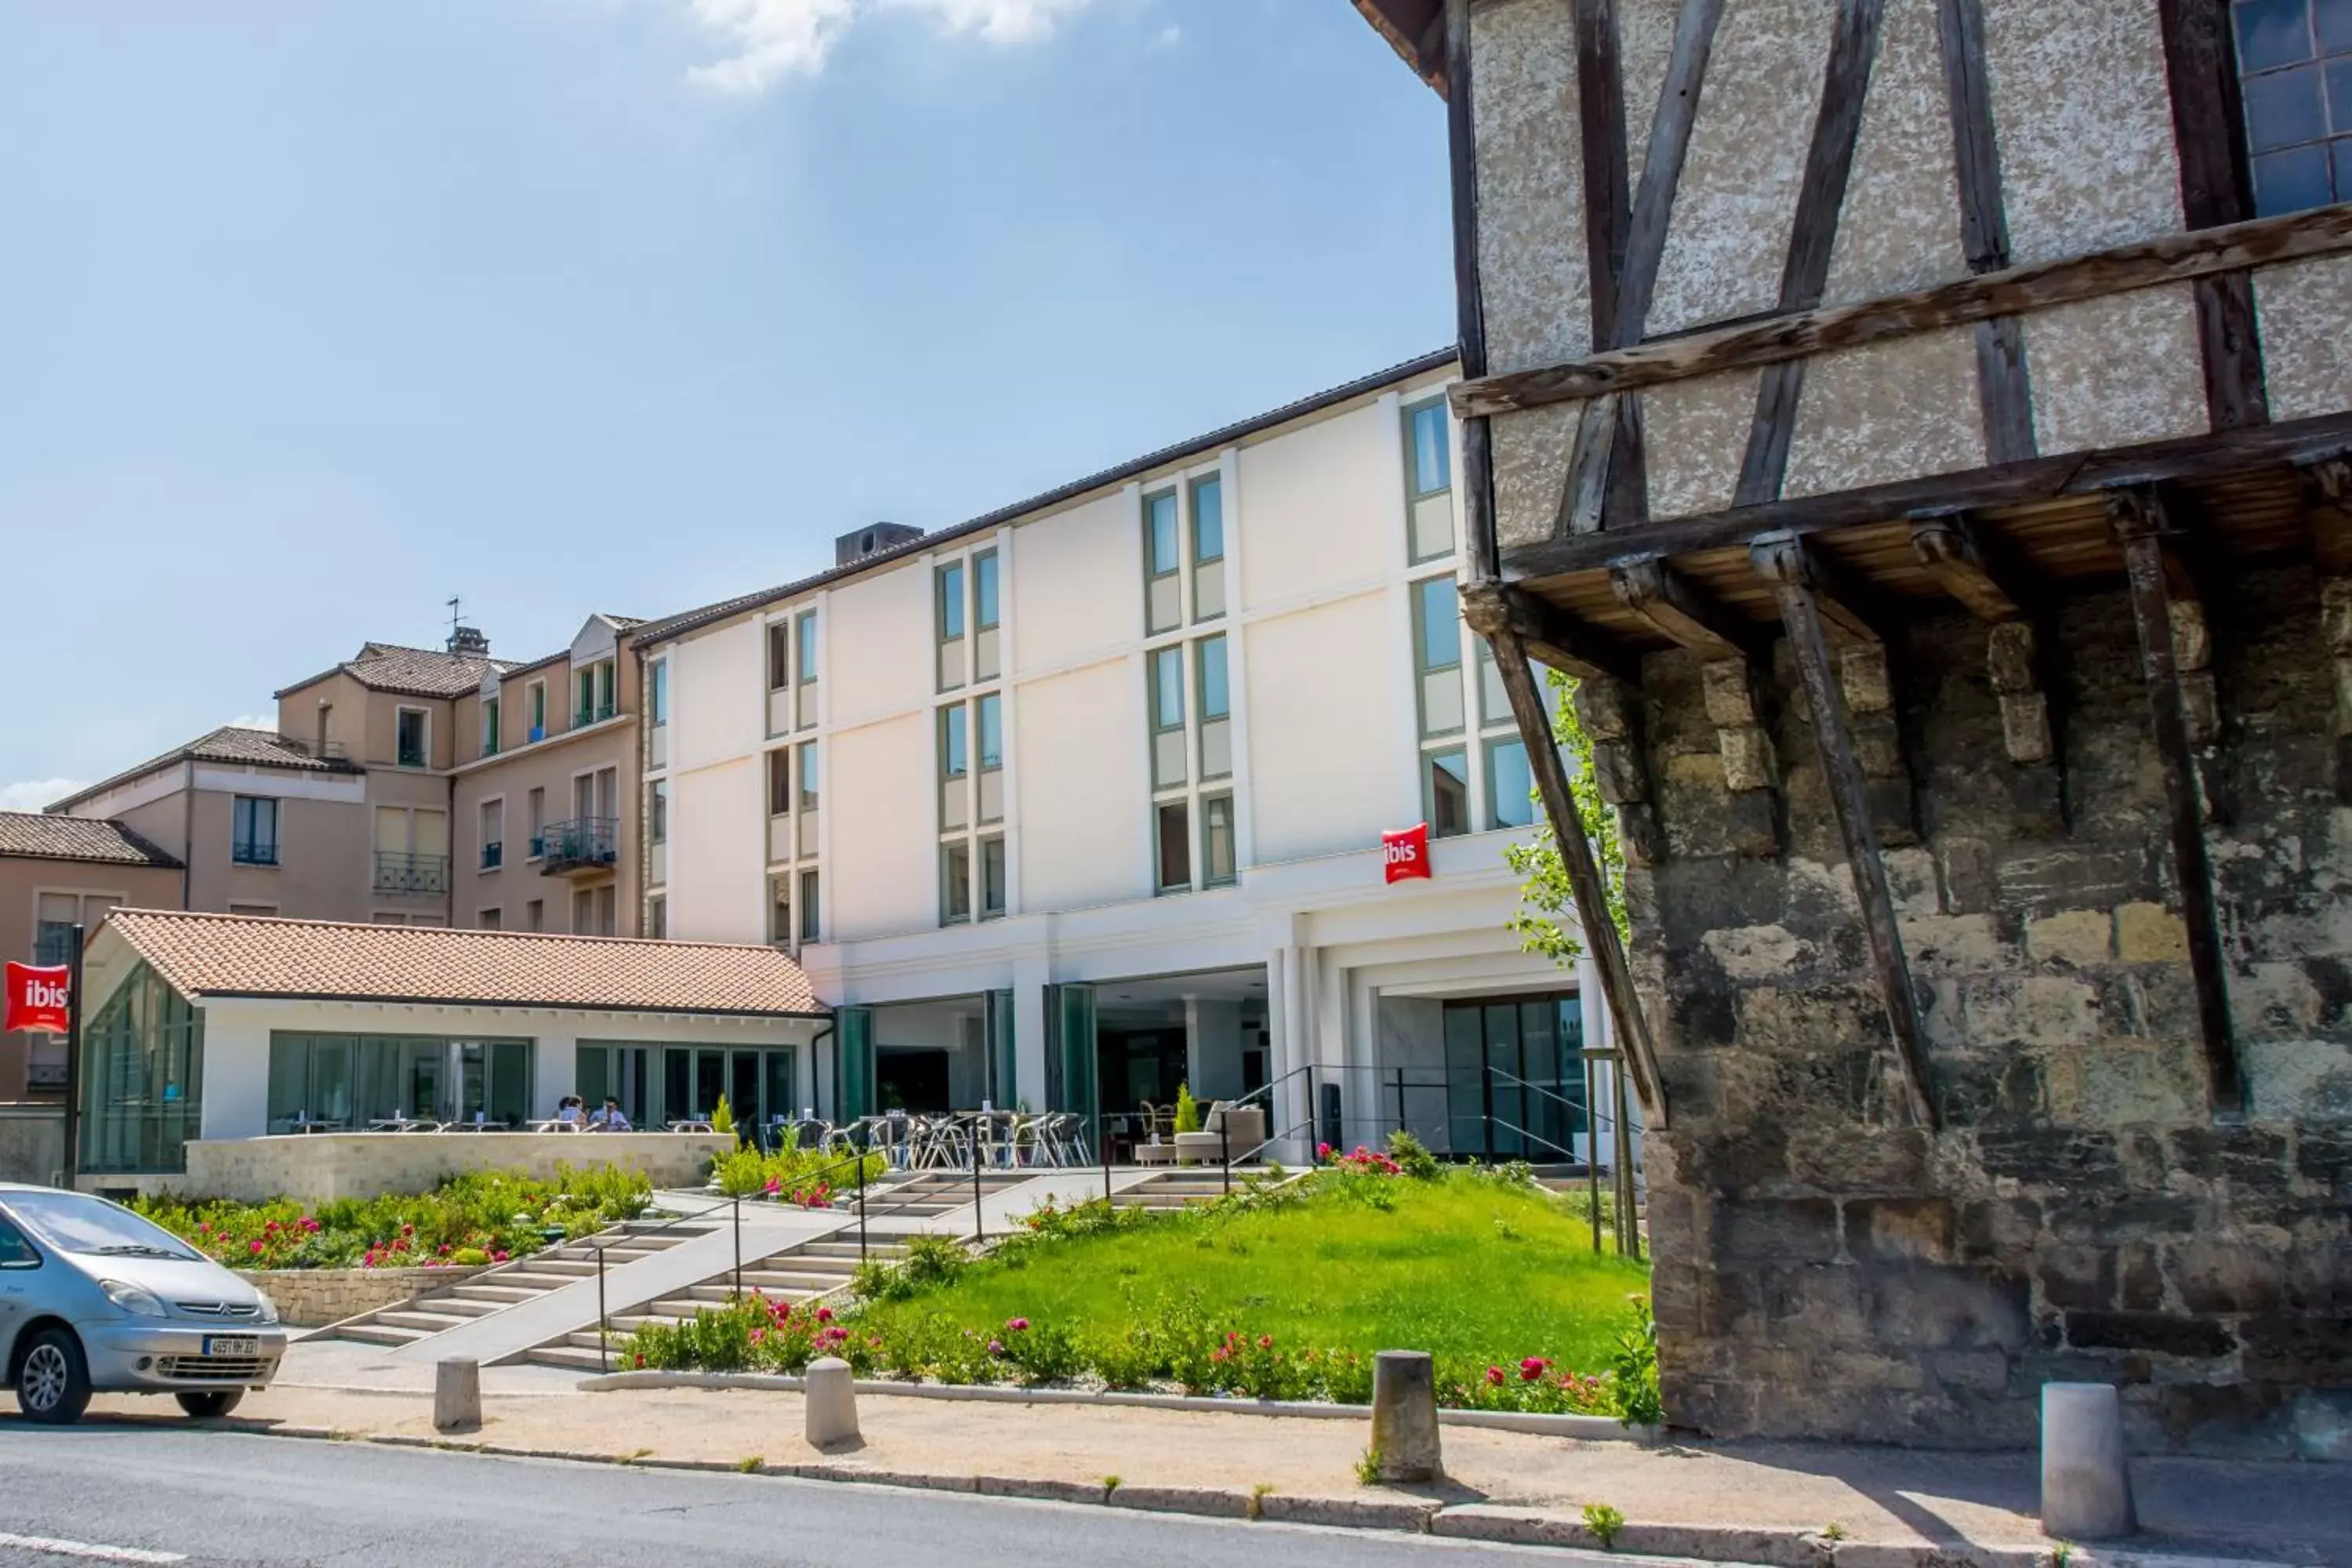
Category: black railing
<point>583,843</point>
<point>493,855</point>
<point>325,750</point>
<point>54,946</point>
<point>595,713</point>
<point>246,854</point>
<point>398,873</point>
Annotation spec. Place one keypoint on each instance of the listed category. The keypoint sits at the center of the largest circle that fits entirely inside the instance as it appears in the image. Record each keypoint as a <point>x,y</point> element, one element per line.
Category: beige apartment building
<point>545,795</point>
<point>55,873</point>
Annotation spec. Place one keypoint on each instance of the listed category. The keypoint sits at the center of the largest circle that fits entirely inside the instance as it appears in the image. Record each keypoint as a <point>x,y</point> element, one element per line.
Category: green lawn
<point>1467,1269</point>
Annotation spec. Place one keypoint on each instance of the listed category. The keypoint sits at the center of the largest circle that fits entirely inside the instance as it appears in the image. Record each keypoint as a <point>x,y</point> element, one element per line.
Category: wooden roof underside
<point>1416,29</point>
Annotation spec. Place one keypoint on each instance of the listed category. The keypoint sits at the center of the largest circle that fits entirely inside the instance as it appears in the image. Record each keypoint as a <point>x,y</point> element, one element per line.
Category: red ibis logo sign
<point>1405,854</point>
<point>39,997</point>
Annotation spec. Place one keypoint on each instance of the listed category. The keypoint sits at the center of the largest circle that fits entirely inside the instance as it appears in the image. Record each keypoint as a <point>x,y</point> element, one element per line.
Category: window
<point>326,728</point>
<point>411,850</point>
<point>583,913</point>
<point>805,818</point>
<point>409,737</point>
<point>1166,718</point>
<point>253,830</point>
<point>992,880</point>
<point>2295,72</point>
<point>350,1080</point>
<point>538,804</point>
<point>987,662</point>
<point>657,811</point>
<point>1208,548</point>
<point>253,911</point>
<point>535,915</point>
<point>780,655</point>
<point>535,706</point>
<point>1163,563</point>
<point>593,694</point>
<point>990,710</point>
<point>808,907</point>
<point>805,670</point>
<point>780,912</point>
<point>951,613</point>
<point>489,726</point>
<point>1446,792</point>
<point>1174,836</point>
<point>608,910</point>
<point>487,919</point>
<point>780,781</point>
<point>1216,709</point>
<point>658,694</point>
<point>955,881</point>
<point>494,832</point>
<point>955,765</point>
<point>658,917</point>
<point>968,795</point>
<point>1437,655</point>
<point>1429,481</point>
<point>1510,799</point>
<point>1217,859</point>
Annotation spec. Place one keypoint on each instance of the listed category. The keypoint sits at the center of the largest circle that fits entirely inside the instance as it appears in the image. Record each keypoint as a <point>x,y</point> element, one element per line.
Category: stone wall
<point>32,1142</point>
<point>1825,1271</point>
<point>311,1297</point>
<point>317,1167</point>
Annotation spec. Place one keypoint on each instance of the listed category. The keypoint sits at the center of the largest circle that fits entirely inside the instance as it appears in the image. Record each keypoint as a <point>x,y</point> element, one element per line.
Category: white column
<point>1029,977</point>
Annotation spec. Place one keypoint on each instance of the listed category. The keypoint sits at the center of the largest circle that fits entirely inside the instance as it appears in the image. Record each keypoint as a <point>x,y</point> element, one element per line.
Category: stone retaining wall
<point>315,1168</point>
<point>308,1298</point>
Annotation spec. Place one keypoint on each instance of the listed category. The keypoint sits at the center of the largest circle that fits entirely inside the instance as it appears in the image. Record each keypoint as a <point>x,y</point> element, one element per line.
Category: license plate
<point>230,1346</point>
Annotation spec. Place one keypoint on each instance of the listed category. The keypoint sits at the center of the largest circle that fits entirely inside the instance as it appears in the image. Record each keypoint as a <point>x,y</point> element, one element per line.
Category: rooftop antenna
<point>453,604</point>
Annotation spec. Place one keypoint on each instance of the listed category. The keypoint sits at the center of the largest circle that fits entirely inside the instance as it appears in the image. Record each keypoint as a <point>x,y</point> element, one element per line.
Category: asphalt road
<point>139,1492</point>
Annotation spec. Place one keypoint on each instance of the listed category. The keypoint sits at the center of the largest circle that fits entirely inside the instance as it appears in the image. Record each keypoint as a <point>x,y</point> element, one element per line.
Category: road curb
<point>1583,1428</point>
<point>1499,1524</point>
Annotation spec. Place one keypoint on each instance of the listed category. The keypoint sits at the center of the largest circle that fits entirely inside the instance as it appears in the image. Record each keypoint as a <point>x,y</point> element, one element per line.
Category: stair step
<point>505,1295</point>
<point>382,1334</point>
<point>571,1358</point>
<point>529,1280</point>
<point>430,1322</point>
<point>465,1305</point>
<point>848,1249</point>
<point>773,1284</point>
<point>543,1264</point>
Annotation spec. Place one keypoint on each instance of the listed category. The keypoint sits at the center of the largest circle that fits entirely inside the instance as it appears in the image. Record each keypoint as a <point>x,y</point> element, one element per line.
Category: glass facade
<point>142,1079</point>
<point>348,1082</point>
<point>1515,1077</point>
<point>657,1084</point>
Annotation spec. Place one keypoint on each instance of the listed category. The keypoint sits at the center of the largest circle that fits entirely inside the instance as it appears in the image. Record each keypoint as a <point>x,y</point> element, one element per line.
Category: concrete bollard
<point>831,1397</point>
<point>1404,1416</point>
<point>456,1396</point>
<point>2085,1480</point>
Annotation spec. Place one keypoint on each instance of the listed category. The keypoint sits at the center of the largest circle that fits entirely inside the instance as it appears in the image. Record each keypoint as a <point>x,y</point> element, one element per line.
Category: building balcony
<point>493,855</point>
<point>254,854</point>
<point>582,845</point>
<point>397,873</point>
<point>595,714</point>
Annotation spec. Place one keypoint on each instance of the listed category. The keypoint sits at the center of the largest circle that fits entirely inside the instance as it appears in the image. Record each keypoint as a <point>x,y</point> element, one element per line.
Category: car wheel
<point>53,1380</point>
<point>205,1406</point>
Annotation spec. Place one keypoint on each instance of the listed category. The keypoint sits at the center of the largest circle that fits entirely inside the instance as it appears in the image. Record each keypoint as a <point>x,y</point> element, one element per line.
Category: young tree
<point>1545,921</point>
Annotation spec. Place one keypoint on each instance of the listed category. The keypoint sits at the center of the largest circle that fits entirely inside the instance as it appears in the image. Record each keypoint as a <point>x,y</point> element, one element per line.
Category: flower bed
<point>807,1177</point>
<point>1272,1294</point>
<point>472,1220</point>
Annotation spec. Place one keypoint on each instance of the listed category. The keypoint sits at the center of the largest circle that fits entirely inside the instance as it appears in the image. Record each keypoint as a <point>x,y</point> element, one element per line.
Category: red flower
<point>1495,1376</point>
<point>256,1247</point>
<point>1017,1325</point>
<point>824,1314</point>
<point>1266,1342</point>
<point>1532,1368</point>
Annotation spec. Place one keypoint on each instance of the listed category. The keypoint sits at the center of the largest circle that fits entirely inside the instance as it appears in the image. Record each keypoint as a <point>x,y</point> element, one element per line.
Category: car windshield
<point>75,1222</point>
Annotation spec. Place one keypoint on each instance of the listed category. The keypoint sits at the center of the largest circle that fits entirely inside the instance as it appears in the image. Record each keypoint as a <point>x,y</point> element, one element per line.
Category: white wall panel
<point>717,686</point>
<point>717,891</point>
<point>1084,795</point>
<point>1314,504</point>
<point>1324,728</point>
<point>881,644</point>
<point>1077,582</point>
<point>884,832</point>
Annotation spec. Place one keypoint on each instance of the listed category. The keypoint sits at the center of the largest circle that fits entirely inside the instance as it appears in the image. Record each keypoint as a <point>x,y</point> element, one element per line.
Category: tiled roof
<point>31,835</point>
<point>228,743</point>
<point>410,671</point>
<point>240,955</point>
<point>709,614</point>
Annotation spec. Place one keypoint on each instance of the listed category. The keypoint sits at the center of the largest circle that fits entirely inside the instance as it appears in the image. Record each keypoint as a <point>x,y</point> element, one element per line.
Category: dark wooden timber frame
<point>2141,527</point>
<point>2201,65</point>
<point>1516,626</point>
<point>2002,386</point>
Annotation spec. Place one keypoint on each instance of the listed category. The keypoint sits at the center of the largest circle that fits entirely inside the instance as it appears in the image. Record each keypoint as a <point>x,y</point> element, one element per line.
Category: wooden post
<point>1576,856</point>
<point>1787,565</point>
<point>1479,547</point>
<point>2139,520</point>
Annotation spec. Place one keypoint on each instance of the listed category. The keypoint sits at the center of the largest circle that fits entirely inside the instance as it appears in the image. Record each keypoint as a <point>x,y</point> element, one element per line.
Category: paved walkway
<point>1977,1508</point>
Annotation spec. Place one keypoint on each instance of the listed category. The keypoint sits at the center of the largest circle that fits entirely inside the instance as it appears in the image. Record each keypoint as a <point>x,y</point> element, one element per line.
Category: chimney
<point>470,642</point>
<point>874,539</point>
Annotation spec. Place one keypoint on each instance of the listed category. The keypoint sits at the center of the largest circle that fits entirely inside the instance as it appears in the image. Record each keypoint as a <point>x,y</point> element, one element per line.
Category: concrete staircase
<point>1178,1189</point>
<point>524,1280</point>
<point>798,1275</point>
<point>927,1194</point>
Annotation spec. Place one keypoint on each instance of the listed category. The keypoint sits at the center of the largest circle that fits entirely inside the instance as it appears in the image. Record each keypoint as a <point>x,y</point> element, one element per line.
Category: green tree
<point>1545,921</point>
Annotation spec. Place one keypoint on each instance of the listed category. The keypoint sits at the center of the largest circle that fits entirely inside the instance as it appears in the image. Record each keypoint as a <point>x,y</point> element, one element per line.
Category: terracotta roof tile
<point>240,955</point>
<point>31,836</point>
<point>226,744</point>
<point>420,672</point>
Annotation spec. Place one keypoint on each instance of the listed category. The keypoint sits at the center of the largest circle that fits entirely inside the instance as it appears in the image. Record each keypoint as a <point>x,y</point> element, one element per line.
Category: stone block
<point>2085,1476</point>
<point>1967,876</point>
<point>2140,1279</point>
<point>2150,1333</point>
<point>2119,1082</point>
<point>2215,1276</point>
<point>1997,1228</point>
<point>2078,938</point>
<point>1844,1158</point>
<point>2302,1351</point>
<point>1404,1417</point>
<point>1619,772</point>
<point>1911,877</point>
<point>2150,933</point>
<point>1607,709</point>
<point>1749,762</point>
<point>2060,1157</point>
<point>456,1396</point>
<point>2043,1010</point>
<point>1966,944</point>
<point>1920,1229</point>
<point>1797,1230</point>
<point>2077,1277</point>
<point>1950,1308</point>
<point>829,1401</point>
<point>2037,803</point>
<point>2025,729</point>
<point>1751,824</point>
<point>1862,673</point>
<point>1728,693</point>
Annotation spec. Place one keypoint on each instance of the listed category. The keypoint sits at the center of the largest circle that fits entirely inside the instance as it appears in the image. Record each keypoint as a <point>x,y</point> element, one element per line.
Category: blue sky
<point>314,315</point>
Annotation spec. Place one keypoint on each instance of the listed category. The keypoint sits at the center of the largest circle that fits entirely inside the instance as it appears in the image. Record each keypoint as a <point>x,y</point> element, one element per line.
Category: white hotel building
<point>1087,795</point>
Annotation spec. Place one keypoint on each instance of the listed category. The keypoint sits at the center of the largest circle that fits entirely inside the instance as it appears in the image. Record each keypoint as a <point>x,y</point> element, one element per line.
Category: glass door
<point>743,1097</point>
<point>1515,1077</point>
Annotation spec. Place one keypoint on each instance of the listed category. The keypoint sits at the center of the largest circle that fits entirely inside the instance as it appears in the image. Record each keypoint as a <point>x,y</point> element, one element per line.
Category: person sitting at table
<point>611,1119</point>
<point>571,1109</point>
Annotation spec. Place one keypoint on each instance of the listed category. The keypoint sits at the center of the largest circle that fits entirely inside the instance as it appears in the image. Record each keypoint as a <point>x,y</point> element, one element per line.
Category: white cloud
<point>31,795</point>
<point>774,38</point>
<point>255,721</point>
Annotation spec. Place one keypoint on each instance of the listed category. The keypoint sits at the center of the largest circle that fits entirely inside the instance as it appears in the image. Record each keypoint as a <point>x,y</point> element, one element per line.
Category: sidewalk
<point>1740,1502</point>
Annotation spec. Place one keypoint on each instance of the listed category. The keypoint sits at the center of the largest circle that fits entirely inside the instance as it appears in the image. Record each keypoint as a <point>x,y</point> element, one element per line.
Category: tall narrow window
<point>780,655</point>
<point>780,912</point>
<point>806,816</point>
<point>1429,481</point>
<point>809,923</point>
<point>534,915</point>
<point>1437,655</point>
<point>1163,563</point>
<point>409,738</point>
<point>992,757</point>
<point>1217,855</point>
<point>955,769</point>
<point>535,705</point>
<point>1446,792</point>
<point>253,837</point>
<point>780,782</point>
<point>1174,836</point>
<point>489,726</point>
<point>1208,548</point>
<point>1216,709</point>
<point>1510,788</point>
<point>993,885</point>
<point>2294,73</point>
<point>951,594</point>
<point>538,809</point>
<point>955,881</point>
<point>493,830</point>
<point>658,698</point>
<point>658,917</point>
<point>657,811</point>
<point>805,670</point>
<point>1166,718</point>
<point>987,661</point>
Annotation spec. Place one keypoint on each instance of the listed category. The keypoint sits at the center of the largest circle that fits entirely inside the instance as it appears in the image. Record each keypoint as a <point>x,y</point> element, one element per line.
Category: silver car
<point>93,1299</point>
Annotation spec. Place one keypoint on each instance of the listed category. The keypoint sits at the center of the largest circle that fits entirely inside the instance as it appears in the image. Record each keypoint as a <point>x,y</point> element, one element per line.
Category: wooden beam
<point>1954,551</point>
<point>2327,493</point>
<point>1480,550</point>
<point>2013,484</point>
<point>1789,565</point>
<point>1600,124</point>
<point>2095,275</point>
<point>1851,610</point>
<point>2003,393</point>
<point>1599,927</point>
<point>2137,517</point>
<point>1548,633</point>
<point>2216,188</point>
<point>1679,611</point>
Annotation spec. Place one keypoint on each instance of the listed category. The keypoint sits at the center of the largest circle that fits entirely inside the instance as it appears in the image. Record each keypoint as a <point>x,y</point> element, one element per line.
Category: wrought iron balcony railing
<point>250,853</point>
<point>493,855</point>
<point>398,873</point>
<point>591,713</point>
<point>583,844</point>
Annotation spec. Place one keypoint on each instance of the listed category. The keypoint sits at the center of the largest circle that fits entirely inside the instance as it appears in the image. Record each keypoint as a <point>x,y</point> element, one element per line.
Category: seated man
<point>611,1119</point>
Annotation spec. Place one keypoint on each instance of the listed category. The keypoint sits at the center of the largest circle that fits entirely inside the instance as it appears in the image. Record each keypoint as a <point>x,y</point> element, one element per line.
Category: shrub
<point>931,1261</point>
<point>791,1175</point>
<point>1188,1110</point>
<point>1412,1158</point>
<point>723,1116</point>
<point>1040,1352</point>
<point>1634,1370</point>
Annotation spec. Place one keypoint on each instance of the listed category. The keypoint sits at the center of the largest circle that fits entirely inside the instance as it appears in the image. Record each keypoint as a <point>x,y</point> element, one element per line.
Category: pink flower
<point>310,1225</point>
<point>996,1347</point>
<point>1495,1376</point>
<point>1266,1342</point>
<point>499,1256</point>
<point>824,1314</point>
<point>775,1184</point>
<point>408,1230</point>
<point>1322,1151</point>
<point>1532,1368</point>
<point>1017,1325</point>
<point>256,1247</point>
<point>758,1335</point>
